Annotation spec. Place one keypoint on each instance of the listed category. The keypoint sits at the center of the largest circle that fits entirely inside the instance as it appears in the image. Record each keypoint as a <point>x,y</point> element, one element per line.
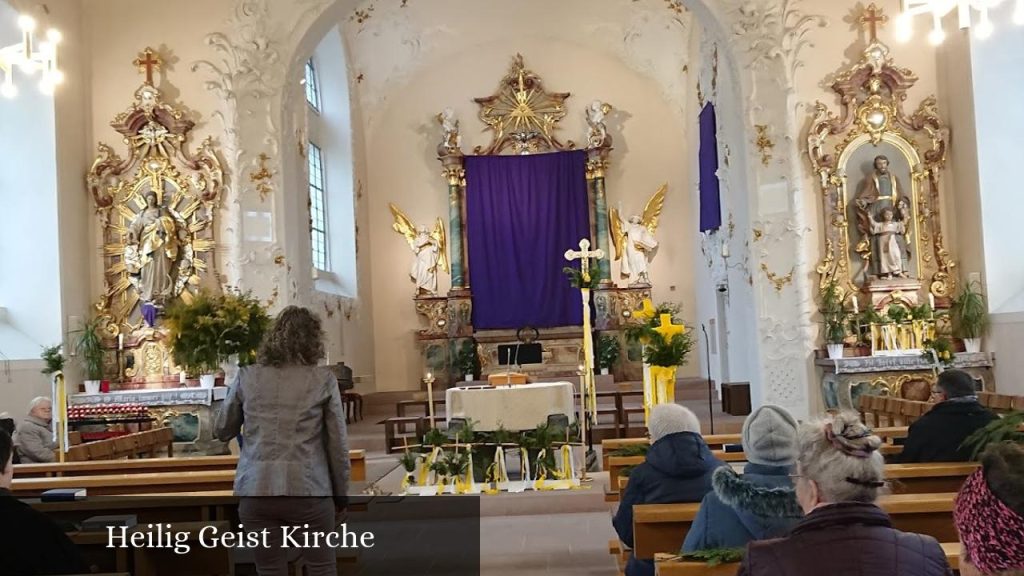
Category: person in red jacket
<point>838,478</point>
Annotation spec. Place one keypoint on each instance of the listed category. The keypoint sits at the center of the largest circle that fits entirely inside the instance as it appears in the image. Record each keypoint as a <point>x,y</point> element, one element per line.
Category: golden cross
<point>874,18</point>
<point>667,329</point>
<point>147,61</point>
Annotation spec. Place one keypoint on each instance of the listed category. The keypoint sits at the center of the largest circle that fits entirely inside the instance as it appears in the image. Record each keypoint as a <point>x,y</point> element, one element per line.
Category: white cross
<point>585,254</point>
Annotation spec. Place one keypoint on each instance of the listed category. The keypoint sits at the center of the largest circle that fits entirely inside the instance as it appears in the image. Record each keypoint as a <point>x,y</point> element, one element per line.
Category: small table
<point>513,408</point>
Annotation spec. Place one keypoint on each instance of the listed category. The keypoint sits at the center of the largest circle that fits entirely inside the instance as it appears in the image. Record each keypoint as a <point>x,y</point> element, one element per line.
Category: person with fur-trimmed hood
<point>759,504</point>
<point>678,468</point>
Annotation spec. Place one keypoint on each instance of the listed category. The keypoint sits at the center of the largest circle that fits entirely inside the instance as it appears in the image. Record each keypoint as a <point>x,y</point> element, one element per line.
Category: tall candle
<point>120,341</point>
<point>931,301</point>
<point>856,305</point>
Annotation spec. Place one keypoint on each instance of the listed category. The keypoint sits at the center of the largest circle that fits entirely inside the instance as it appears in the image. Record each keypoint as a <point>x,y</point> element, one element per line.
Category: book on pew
<point>101,523</point>
<point>732,447</point>
<point>63,495</point>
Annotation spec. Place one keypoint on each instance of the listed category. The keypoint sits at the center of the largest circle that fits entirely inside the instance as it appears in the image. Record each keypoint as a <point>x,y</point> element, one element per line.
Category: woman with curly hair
<point>293,467</point>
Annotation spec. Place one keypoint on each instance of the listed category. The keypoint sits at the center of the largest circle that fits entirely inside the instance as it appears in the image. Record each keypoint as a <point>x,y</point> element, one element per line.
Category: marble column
<point>597,162</point>
<point>455,174</point>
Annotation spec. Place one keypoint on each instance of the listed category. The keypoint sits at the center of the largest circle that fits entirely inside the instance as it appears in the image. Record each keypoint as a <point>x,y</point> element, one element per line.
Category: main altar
<point>887,281</point>
<point>156,209</point>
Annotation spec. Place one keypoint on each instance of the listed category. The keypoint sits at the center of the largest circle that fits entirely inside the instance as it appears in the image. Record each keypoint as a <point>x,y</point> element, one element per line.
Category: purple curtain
<point>710,202</point>
<point>522,214</point>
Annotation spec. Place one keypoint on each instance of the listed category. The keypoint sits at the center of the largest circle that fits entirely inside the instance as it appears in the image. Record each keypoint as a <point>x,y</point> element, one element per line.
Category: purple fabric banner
<point>522,214</point>
<point>710,201</point>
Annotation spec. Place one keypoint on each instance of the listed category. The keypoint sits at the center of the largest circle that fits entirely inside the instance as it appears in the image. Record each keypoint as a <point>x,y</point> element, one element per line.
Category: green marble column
<point>455,234</point>
<point>604,266</point>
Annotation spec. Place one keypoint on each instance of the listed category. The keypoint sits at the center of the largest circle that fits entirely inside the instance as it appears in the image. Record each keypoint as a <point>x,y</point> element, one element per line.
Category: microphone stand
<point>707,351</point>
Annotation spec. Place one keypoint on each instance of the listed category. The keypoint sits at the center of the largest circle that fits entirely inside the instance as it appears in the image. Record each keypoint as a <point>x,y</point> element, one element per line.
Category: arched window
<point>317,216</point>
<point>312,86</point>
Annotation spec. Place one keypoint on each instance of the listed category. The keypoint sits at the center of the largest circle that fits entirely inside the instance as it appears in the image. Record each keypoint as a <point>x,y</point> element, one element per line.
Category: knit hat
<point>668,419</point>
<point>991,532</point>
<point>769,436</point>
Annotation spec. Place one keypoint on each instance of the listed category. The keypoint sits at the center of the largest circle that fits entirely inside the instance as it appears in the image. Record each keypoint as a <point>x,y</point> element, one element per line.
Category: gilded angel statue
<point>634,240</point>
<point>429,249</point>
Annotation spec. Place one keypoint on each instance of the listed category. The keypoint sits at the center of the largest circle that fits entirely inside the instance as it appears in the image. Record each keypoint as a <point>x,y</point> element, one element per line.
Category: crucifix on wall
<point>873,18</point>
<point>147,62</point>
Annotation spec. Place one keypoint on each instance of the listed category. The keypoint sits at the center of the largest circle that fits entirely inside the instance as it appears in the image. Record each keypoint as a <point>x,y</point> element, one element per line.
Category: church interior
<point>522,228</point>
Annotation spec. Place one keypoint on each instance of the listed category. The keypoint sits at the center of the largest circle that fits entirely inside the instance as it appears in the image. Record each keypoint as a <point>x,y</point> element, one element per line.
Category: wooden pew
<point>128,484</point>
<point>357,461</point>
<point>663,527</point>
<point>677,568</point>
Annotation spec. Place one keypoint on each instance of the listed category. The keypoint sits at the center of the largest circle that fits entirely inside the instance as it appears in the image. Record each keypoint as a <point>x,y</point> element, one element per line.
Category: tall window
<point>317,217</point>
<point>312,86</point>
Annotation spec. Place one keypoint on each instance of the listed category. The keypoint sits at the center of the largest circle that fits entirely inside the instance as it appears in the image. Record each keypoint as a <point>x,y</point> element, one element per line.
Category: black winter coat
<point>937,436</point>
<point>30,543</point>
<point>678,469</point>
<point>846,539</point>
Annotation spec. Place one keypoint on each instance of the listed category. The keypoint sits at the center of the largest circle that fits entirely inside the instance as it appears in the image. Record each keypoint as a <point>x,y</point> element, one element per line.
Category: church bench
<point>147,443</point>
<point>357,461</point>
<point>127,484</point>
<point>674,567</point>
<point>663,527</point>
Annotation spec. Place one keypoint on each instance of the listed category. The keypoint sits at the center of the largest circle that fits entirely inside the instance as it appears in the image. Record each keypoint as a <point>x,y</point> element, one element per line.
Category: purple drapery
<point>522,214</point>
<point>710,202</point>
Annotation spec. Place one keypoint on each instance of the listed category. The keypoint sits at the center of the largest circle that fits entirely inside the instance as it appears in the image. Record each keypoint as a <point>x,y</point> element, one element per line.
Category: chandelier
<point>938,9</point>
<point>29,57</point>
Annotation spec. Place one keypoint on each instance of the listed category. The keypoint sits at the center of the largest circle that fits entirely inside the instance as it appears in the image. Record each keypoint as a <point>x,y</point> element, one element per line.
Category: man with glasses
<point>938,435</point>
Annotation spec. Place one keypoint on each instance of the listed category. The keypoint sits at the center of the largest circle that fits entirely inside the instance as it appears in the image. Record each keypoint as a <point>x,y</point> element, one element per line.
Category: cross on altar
<point>584,254</point>
<point>873,17</point>
<point>147,61</point>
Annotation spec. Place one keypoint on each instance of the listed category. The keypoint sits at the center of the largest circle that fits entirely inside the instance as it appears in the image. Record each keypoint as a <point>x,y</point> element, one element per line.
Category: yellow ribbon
<point>425,470</point>
<point>663,389</point>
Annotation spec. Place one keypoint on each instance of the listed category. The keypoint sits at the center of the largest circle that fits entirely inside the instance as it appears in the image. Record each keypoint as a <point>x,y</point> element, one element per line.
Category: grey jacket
<point>292,424</point>
<point>34,440</point>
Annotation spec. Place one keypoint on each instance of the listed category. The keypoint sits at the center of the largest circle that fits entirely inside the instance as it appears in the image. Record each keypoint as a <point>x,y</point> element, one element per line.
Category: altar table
<point>514,408</point>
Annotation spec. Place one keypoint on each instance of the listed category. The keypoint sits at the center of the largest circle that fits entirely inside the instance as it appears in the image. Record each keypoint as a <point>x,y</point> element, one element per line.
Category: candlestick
<point>120,341</point>
<point>856,305</point>
<point>931,302</point>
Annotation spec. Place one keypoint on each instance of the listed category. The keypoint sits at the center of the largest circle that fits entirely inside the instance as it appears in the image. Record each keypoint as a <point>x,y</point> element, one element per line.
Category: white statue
<point>890,251</point>
<point>597,132</point>
<point>634,240</point>
<point>451,140</point>
<point>429,250</point>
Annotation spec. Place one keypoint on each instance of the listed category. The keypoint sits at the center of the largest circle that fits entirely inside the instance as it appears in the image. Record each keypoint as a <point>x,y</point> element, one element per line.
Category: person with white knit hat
<point>762,502</point>
<point>678,468</point>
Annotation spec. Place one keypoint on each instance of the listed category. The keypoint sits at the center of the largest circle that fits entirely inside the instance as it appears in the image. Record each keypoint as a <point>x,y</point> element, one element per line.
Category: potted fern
<point>833,319</point>
<point>467,361</point>
<point>969,315</point>
<point>608,351</point>
<point>90,348</point>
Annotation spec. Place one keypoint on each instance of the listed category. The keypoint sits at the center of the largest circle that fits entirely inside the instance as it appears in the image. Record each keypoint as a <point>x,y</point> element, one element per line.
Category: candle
<point>429,376</point>
<point>725,250</point>
<point>856,305</point>
<point>120,341</point>
<point>182,377</point>
<point>931,301</point>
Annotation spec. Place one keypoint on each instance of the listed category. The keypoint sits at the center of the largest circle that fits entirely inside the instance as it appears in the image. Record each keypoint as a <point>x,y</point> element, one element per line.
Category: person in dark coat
<point>839,474</point>
<point>759,504</point>
<point>678,468</point>
<point>30,543</point>
<point>938,436</point>
<point>989,514</point>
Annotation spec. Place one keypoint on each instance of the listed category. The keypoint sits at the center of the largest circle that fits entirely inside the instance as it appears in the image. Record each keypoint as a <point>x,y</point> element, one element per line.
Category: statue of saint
<point>634,239</point>
<point>890,251</point>
<point>451,140</point>
<point>882,192</point>
<point>428,249</point>
<point>151,252</point>
<point>597,132</point>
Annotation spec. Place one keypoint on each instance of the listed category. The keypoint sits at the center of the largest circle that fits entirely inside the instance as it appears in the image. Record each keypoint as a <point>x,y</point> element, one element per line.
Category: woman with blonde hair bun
<point>839,475</point>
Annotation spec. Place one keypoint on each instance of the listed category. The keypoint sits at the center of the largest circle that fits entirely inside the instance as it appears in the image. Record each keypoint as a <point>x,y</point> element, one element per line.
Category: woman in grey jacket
<point>293,467</point>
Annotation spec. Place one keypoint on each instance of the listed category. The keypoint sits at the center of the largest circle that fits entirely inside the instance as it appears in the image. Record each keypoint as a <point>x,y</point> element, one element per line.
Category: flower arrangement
<point>210,329</point>
<point>942,348</point>
<point>53,358</point>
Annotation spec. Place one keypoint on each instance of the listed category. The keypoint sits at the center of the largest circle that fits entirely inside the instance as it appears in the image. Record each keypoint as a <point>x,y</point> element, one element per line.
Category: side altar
<point>889,291</point>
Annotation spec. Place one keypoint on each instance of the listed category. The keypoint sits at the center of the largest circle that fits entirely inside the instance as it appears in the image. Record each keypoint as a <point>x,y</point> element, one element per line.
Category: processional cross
<point>147,61</point>
<point>873,17</point>
<point>588,393</point>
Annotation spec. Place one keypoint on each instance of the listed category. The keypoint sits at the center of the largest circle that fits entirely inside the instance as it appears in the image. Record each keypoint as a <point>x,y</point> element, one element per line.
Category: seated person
<point>761,503</point>
<point>34,437</point>
<point>839,473</point>
<point>938,435</point>
<point>7,425</point>
<point>678,468</point>
<point>989,514</point>
<point>30,543</point>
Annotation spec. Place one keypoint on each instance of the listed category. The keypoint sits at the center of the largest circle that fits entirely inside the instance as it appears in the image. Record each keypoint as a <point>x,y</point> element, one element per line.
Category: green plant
<point>210,329</point>
<point>832,313</point>
<point>434,438</point>
<point>608,350</point>
<point>922,312</point>
<point>871,316</point>
<point>1005,429</point>
<point>943,350</point>
<point>716,556</point>
<point>671,353</point>
<point>969,313</point>
<point>466,360</point>
<point>897,313</point>
<point>408,461</point>
<point>501,436</point>
<point>575,275</point>
<point>90,348</point>
<point>53,359</point>
<point>631,450</point>
<point>456,463</point>
<point>466,433</point>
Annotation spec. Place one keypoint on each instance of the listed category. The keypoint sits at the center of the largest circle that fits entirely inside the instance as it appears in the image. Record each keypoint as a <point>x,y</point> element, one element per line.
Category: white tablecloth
<point>514,408</point>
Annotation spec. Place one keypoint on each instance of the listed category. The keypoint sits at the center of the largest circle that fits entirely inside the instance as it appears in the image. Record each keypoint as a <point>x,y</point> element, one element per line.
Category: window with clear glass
<point>317,215</point>
<point>312,86</point>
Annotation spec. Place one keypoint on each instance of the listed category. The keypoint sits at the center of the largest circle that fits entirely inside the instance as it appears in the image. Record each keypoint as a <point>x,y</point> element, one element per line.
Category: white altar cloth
<point>512,407</point>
